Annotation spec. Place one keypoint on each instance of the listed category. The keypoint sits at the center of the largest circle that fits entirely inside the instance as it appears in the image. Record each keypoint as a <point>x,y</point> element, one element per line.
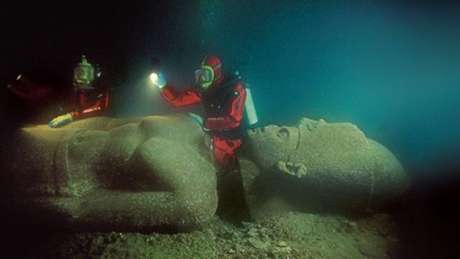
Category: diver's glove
<point>61,120</point>
<point>158,79</point>
<point>204,129</point>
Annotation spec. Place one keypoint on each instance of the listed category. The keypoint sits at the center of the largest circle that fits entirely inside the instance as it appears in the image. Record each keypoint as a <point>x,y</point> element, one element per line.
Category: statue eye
<point>283,133</point>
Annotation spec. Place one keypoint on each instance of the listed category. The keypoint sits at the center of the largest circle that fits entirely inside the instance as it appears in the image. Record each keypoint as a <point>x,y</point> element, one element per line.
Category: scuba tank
<point>250,112</point>
<point>250,109</point>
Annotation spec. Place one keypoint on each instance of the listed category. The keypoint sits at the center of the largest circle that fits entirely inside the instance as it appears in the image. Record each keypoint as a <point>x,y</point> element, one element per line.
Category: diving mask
<point>204,77</point>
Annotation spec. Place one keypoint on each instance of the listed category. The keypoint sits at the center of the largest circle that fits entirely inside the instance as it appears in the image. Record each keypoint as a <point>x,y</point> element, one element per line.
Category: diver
<point>89,97</point>
<point>224,100</point>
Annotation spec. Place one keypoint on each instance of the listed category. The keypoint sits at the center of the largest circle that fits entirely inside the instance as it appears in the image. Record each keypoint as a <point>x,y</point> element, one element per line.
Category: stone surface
<point>141,173</point>
<point>112,174</point>
<point>319,165</point>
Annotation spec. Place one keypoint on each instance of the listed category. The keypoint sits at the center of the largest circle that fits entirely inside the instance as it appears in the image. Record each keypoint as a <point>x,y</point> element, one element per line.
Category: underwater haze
<point>390,68</point>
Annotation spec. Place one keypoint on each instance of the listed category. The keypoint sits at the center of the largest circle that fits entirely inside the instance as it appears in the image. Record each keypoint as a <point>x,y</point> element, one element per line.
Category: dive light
<point>154,78</point>
<point>157,79</point>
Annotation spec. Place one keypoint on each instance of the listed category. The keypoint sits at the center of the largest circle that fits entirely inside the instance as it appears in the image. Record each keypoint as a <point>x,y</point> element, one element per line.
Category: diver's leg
<point>232,203</point>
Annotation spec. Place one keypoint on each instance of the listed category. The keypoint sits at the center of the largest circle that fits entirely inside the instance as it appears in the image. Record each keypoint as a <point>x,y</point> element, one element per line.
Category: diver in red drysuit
<point>223,101</point>
<point>88,97</point>
<point>88,100</point>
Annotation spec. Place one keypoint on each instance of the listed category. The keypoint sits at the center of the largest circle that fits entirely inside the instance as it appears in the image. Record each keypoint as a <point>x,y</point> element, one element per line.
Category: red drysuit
<point>224,109</point>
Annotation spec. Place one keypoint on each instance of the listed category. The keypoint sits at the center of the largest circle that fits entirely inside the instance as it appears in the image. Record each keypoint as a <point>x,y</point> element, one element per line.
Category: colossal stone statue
<point>328,165</point>
<point>113,173</point>
<point>156,172</point>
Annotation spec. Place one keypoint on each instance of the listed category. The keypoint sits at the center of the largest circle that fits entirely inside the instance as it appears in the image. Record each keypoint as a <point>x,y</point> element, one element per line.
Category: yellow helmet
<point>84,74</point>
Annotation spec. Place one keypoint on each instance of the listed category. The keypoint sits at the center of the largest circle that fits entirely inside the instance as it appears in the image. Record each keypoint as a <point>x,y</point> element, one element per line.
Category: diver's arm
<point>180,99</point>
<point>29,91</point>
<point>235,115</point>
<point>94,110</point>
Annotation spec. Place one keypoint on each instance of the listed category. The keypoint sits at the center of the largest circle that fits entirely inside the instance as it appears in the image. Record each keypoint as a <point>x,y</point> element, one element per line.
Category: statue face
<point>272,143</point>
<point>309,144</point>
<point>335,164</point>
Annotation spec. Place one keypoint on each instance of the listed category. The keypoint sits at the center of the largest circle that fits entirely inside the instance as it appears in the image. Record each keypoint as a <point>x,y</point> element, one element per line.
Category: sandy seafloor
<point>294,235</point>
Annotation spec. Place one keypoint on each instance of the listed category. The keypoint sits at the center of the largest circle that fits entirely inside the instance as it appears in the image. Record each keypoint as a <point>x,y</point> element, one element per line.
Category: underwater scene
<point>230,129</point>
